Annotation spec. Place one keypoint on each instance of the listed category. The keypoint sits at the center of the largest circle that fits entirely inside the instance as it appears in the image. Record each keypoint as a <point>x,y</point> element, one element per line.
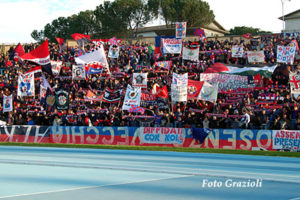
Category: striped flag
<point>164,64</point>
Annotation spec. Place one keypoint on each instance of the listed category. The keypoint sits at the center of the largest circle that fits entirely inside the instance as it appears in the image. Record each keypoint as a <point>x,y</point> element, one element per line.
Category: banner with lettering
<point>283,139</point>
<point>172,46</point>
<point>256,56</point>
<point>180,29</point>
<point>179,93</point>
<point>226,81</point>
<point>152,135</point>
<point>286,54</point>
<point>237,51</point>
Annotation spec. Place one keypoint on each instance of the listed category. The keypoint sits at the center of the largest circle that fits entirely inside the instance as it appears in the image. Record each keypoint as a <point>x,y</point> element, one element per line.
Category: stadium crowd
<point>268,105</point>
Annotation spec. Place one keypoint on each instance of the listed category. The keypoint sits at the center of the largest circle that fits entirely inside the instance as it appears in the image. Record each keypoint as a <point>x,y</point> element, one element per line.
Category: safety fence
<point>155,136</point>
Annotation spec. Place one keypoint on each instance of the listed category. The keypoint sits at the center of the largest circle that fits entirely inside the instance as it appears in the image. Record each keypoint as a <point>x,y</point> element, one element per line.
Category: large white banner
<point>78,72</point>
<point>237,51</point>
<point>172,46</point>
<point>132,97</point>
<point>113,51</point>
<point>159,135</point>
<point>96,55</point>
<point>283,139</point>
<point>26,85</point>
<point>286,54</point>
<point>180,79</point>
<point>256,56</point>
<point>209,92</point>
<point>190,54</point>
<point>179,93</point>
<point>225,81</point>
<point>7,103</point>
<point>139,80</point>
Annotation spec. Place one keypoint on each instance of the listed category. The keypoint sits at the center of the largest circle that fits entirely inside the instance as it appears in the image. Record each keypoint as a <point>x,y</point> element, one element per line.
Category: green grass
<point>155,148</point>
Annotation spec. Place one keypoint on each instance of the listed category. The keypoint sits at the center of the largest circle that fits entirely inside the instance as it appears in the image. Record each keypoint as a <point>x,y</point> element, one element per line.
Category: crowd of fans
<point>268,105</point>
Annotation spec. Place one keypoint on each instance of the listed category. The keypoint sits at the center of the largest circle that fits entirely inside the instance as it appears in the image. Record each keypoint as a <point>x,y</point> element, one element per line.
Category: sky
<point>18,18</point>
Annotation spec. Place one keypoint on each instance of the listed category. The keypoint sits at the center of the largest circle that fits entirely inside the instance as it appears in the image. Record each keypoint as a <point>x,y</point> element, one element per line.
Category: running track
<point>74,174</point>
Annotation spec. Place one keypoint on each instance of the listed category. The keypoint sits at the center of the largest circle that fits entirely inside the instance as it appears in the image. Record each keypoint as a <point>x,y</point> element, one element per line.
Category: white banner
<point>180,79</point>
<point>7,103</point>
<point>113,51</point>
<point>295,84</point>
<point>286,139</point>
<point>172,46</point>
<point>78,72</point>
<point>286,54</point>
<point>237,51</point>
<point>132,97</point>
<point>139,80</point>
<point>209,92</point>
<point>256,56</point>
<point>56,67</point>
<point>225,81</point>
<point>97,55</point>
<point>26,85</point>
<point>190,54</point>
<point>158,135</point>
<point>179,93</point>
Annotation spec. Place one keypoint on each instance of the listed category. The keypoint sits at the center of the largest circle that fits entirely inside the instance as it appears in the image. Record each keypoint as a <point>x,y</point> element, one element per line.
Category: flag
<point>90,96</point>
<point>193,89</point>
<point>94,68</point>
<point>61,43</point>
<point>26,85</point>
<point>137,109</point>
<point>180,79</point>
<point>295,44</point>
<point>200,134</point>
<point>132,97</point>
<point>162,92</point>
<point>34,70</point>
<point>7,103</point>
<point>19,50</point>
<point>247,36</point>
<point>257,79</point>
<point>114,41</point>
<point>78,72</point>
<point>179,93</point>
<point>40,56</point>
<point>164,64</point>
<point>112,96</point>
<point>81,39</point>
<point>209,92</point>
<point>199,32</point>
<point>180,29</point>
<point>96,55</point>
<point>62,100</point>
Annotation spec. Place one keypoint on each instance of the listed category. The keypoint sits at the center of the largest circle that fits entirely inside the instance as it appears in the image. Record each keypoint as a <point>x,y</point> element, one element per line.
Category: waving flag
<point>90,96</point>
<point>193,89</point>
<point>247,36</point>
<point>40,56</point>
<point>81,39</point>
<point>164,64</point>
<point>61,43</point>
<point>114,41</point>
<point>200,134</point>
<point>19,50</point>
<point>94,68</point>
<point>209,92</point>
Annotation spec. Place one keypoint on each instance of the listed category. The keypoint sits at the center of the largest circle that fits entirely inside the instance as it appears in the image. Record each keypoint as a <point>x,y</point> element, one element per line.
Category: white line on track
<point>91,187</point>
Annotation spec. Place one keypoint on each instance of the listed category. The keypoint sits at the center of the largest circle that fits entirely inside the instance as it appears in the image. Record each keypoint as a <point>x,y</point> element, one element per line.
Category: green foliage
<point>240,30</point>
<point>38,35</point>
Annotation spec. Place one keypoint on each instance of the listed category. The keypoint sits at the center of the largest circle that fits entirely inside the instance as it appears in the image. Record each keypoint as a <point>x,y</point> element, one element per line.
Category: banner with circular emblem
<point>62,100</point>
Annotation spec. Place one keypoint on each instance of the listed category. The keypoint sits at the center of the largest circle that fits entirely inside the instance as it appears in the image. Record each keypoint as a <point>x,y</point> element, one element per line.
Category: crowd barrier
<point>151,136</point>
